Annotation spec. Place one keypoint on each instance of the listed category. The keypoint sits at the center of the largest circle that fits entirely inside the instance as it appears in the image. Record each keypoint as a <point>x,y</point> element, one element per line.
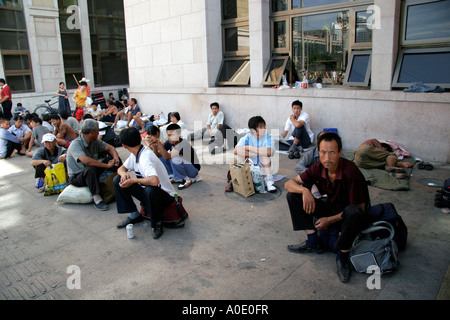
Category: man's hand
<point>323,223</point>
<point>62,158</point>
<point>47,163</point>
<point>125,180</point>
<point>111,163</point>
<point>309,203</point>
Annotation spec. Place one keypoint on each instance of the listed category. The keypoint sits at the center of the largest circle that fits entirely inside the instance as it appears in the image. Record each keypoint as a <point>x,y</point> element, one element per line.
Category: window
<point>235,68</point>
<point>318,36</point>
<point>108,42</point>
<point>424,53</point>
<point>358,71</point>
<point>71,46</point>
<point>14,48</point>
<point>275,71</point>
<point>429,65</point>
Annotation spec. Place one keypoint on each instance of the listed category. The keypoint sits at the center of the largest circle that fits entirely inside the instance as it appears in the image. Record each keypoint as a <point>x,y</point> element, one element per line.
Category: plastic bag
<point>55,179</point>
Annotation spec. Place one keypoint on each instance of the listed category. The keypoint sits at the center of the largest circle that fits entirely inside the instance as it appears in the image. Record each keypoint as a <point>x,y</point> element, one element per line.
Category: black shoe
<point>130,221</point>
<point>296,155</point>
<point>344,269</point>
<point>157,231</point>
<point>102,206</point>
<point>304,248</point>
<point>291,155</point>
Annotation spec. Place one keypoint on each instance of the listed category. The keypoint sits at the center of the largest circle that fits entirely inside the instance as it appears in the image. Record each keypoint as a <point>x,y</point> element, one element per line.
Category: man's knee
<point>116,181</point>
<point>353,213</point>
<point>294,198</point>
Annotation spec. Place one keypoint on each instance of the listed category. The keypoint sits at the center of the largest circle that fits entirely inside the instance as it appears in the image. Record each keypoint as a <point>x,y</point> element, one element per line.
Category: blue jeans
<point>179,170</point>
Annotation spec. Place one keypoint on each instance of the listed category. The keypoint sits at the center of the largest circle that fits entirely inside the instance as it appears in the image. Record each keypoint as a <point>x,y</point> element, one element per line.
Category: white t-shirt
<point>289,126</point>
<point>215,120</point>
<point>93,112</point>
<point>147,165</point>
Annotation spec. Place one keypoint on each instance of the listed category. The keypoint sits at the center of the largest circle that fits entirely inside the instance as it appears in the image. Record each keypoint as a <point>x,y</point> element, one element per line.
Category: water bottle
<point>257,178</point>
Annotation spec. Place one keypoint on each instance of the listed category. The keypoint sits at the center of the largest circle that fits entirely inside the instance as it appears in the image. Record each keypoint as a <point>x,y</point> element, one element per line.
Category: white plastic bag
<point>256,177</point>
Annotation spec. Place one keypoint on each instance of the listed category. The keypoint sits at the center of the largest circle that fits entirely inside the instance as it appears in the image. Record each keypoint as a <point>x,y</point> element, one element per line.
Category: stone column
<point>259,21</point>
<point>385,43</point>
<point>45,44</point>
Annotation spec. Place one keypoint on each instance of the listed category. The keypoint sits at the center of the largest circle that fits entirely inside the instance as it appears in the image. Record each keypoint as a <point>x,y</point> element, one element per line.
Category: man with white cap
<point>50,153</point>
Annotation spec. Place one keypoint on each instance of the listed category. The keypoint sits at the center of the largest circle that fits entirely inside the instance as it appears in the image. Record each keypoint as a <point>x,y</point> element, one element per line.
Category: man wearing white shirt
<point>298,124</point>
<point>151,186</point>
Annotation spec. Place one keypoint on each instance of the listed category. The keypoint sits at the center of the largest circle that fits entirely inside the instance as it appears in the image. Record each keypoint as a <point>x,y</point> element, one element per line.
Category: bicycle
<point>42,109</point>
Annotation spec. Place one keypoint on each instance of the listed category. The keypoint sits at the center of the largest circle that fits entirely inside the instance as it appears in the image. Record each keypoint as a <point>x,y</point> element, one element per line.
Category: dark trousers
<point>39,171</point>
<point>354,219</point>
<point>90,177</point>
<point>11,146</point>
<point>7,106</point>
<point>154,199</point>
<point>302,135</point>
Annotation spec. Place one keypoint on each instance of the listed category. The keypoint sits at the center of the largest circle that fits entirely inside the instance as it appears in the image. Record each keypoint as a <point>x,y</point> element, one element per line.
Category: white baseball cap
<point>48,137</point>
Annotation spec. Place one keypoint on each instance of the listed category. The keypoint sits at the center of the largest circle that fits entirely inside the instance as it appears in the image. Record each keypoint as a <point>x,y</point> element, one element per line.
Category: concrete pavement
<point>230,249</point>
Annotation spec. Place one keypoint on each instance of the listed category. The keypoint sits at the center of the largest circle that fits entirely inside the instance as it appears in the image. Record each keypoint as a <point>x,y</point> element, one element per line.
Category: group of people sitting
<point>328,194</point>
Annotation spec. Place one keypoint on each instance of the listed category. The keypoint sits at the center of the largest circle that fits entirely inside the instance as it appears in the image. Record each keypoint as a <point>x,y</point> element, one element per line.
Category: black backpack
<point>387,212</point>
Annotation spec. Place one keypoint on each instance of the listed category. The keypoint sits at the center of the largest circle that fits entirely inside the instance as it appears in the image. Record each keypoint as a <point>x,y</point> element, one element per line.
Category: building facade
<point>45,42</point>
<point>181,55</point>
<point>185,54</point>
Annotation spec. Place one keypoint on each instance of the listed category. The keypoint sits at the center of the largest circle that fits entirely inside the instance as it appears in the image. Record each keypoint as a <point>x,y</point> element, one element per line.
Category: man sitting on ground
<point>260,147</point>
<point>109,114</point>
<point>45,156</point>
<point>36,136</point>
<point>84,164</point>
<point>151,185</point>
<point>21,131</point>
<point>302,135</point>
<point>8,141</point>
<point>71,121</point>
<point>345,208</point>
<point>178,156</point>
<point>63,132</point>
<point>134,113</point>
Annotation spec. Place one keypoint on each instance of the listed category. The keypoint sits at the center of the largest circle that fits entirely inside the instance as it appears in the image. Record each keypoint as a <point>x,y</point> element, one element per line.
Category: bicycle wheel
<point>41,110</point>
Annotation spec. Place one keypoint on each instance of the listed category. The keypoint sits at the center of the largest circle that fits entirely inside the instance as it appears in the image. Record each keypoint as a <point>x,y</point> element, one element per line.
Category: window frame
<point>98,80</point>
<point>352,7</point>
<point>231,83</point>
<point>228,56</point>
<point>399,63</point>
<point>236,52</point>
<point>276,82</point>
<point>25,52</point>
<point>365,83</point>
<point>404,15</point>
